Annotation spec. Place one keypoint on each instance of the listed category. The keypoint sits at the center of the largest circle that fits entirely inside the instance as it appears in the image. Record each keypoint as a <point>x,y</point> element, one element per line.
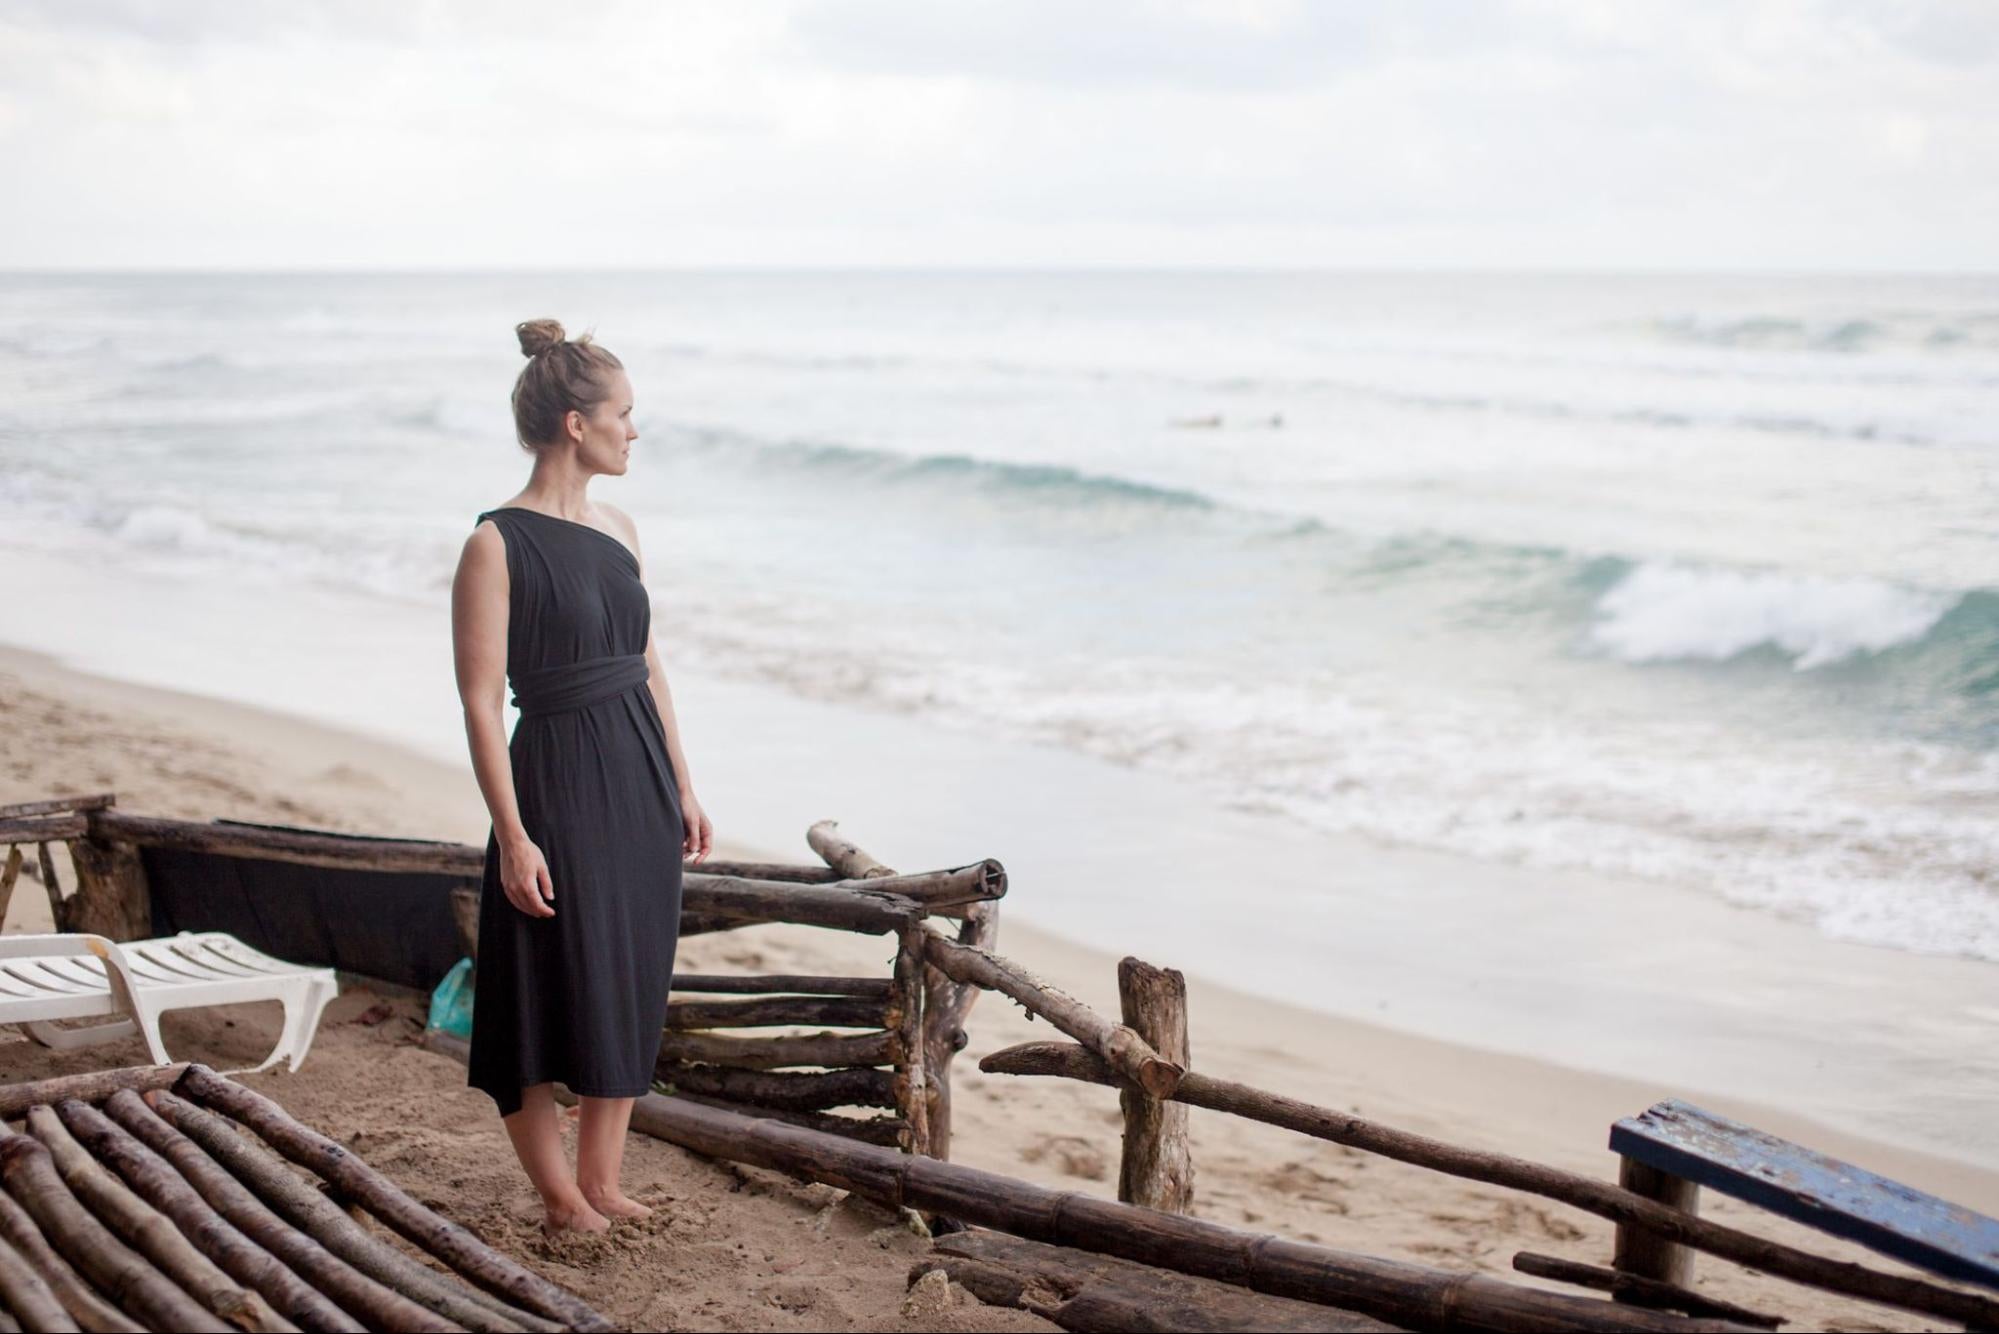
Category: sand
<point>742,1248</point>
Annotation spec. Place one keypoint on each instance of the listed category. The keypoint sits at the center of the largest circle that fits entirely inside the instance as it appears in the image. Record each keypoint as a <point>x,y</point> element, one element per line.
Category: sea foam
<point>1664,610</point>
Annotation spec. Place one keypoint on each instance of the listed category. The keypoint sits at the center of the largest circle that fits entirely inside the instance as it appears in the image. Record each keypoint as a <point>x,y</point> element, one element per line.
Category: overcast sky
<point>1645,134</point>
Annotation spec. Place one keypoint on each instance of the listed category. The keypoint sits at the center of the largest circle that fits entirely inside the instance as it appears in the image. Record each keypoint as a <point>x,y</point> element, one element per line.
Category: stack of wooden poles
<point>159,1198</point>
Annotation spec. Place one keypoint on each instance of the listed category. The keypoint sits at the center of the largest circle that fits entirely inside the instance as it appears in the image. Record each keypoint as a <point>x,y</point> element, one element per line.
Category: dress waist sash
<point>576,685</point>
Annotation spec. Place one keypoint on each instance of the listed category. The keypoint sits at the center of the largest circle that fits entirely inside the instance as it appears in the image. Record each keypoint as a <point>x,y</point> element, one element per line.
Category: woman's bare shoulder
<point>485,544</point>
<point>621,520</point>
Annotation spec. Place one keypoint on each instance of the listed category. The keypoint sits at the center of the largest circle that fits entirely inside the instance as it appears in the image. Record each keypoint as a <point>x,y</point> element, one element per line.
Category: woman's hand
<point>524,877</point>
<point>700,834</point>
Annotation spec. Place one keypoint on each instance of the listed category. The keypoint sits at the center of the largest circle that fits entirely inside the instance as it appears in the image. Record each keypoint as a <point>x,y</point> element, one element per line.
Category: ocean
<point>1687,579</point>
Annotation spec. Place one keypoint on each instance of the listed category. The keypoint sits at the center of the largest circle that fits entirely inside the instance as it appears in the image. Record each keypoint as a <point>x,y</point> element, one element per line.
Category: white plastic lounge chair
<point>75,975</point>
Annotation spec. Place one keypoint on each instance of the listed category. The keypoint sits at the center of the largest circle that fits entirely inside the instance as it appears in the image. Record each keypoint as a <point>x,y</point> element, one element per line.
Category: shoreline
<point>370,785</point>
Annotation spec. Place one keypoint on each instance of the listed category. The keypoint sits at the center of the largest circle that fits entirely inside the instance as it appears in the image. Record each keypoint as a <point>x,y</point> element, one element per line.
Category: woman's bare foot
<point>577,1217</point>
<point>616,1203</point>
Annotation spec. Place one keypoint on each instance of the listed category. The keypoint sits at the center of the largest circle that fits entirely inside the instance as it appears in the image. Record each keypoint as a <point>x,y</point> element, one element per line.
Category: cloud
<point>1245,46</point>
<point>1652,133</point>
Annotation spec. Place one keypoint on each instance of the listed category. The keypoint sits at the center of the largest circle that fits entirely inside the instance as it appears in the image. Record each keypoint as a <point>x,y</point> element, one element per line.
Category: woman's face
<point>608,431</point>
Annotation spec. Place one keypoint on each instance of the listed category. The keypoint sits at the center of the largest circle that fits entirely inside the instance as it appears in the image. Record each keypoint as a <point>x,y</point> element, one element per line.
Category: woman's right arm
<point>479,647</point>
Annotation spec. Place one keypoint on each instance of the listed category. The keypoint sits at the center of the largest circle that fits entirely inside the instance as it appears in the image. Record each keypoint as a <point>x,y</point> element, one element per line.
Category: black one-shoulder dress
<point>579,997</point>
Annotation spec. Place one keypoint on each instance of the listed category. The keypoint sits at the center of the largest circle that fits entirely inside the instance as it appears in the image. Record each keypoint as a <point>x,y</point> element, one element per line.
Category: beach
<point>1510,699</point>
<point>740,1248</point>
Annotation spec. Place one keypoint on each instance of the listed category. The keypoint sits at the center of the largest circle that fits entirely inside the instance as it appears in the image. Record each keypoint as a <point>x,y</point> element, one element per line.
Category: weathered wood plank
<point>802,984</point>
<point>95,801</point>
<point>776,1012</point>
<point>1812,1188</point>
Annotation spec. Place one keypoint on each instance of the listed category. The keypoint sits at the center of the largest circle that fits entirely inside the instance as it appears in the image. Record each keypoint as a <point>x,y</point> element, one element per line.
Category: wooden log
<point>449,1241</point>
<point>267,1201</point>
<point>939,891</point>
<point>801,1090</point>
<point>58,805</point>
<point>1125,1050</point>
<point>1083,1290</point>
<point>284,845</point>
<point>1645,1253</point>
<point>704,894</point>
<point>150,1232</point>
<point>947,1007</point>
<point>27,1294</point>
<point>1070,1061</point>
<point>167,1190</point>
<point>1644,1291</point>
<point>842,854</point>
<point>8,876</point>
<point>875,988</point>
<point>118,1271</point>
<point>91,1086</point>
<point>840,906</point>
<point>912,1095</point>
<point>59,908</point>
<point>43,829</point>
<point>771,1053</point>
<point>884,1130</point>
<point>111,895</point>
<point>774,1012</point>
<point>919,1097</point>
<point>89,1310</point>
<point>1391,1290</point>
<point>1156,1166</point>
<point>800,872</point>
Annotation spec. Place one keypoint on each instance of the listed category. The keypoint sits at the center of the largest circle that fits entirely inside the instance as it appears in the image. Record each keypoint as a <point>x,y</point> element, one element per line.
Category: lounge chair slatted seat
<point>74,975</point>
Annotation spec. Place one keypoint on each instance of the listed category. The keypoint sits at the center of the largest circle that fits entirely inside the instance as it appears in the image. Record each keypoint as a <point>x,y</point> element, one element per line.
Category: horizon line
<point>1178,270</point>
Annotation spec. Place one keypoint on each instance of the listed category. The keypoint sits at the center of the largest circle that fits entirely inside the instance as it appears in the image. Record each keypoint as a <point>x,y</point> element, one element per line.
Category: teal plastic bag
<point>451,1003</point>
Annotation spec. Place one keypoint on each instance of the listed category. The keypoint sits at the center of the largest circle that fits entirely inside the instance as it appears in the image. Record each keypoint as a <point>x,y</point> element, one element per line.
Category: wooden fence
<point>891,1057</point>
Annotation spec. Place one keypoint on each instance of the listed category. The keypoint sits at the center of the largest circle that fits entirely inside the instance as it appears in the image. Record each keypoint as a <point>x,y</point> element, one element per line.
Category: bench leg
<point>1647,1254</point>
<point>303,1007</point>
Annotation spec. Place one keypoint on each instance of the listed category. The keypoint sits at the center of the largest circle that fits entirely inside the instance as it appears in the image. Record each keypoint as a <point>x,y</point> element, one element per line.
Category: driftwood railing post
<point>1644,1253</point>
<point>1157,1165</point>
<point>8,875</point>
<point>912,1099</point>
<point>904,1016</point>
<point>111,897</point>
<point>946,1006</point>
<point>931,1022</point>
<point>59,908</point>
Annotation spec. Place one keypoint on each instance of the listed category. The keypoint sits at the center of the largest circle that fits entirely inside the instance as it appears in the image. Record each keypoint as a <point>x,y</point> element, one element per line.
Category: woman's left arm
<point>700,832</point>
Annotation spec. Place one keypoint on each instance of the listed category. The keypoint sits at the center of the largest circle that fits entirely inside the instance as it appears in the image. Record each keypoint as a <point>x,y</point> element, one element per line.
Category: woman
<point>591,802</point>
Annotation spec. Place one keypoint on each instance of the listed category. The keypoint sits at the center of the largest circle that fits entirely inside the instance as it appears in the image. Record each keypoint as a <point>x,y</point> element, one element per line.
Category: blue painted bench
<point>1682,1143</point>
